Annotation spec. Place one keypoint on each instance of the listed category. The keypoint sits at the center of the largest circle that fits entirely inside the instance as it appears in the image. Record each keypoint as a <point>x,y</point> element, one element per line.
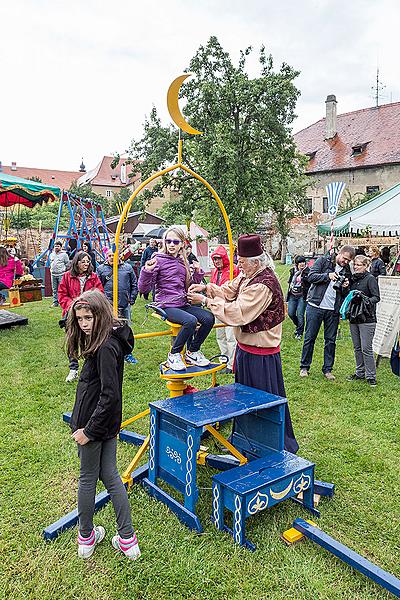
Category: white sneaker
<point>197,358</point>
<point>72,375</point>
<point>129,547</point>
<point>175,362</point>
<point>86,546</point>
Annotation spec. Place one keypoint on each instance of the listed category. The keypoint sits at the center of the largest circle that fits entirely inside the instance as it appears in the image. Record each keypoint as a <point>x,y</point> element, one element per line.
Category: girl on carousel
<point>169,274</point>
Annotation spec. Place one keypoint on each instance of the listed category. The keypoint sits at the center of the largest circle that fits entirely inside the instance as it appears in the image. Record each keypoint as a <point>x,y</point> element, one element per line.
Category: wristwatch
<point>204,302</point>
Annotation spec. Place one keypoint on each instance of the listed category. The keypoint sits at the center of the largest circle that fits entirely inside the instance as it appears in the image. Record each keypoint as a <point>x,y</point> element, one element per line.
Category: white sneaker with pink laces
<point>87,545</point>
<point>128,546</point>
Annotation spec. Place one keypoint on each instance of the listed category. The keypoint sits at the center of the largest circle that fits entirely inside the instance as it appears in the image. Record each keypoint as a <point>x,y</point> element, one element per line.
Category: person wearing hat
<point>219,275</point>
<point>297,294</point>
<point>253,305</point>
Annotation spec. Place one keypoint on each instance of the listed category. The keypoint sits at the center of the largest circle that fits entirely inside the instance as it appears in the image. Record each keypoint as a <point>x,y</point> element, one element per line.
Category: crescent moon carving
<point>173,105</point>
<point>282,494</point>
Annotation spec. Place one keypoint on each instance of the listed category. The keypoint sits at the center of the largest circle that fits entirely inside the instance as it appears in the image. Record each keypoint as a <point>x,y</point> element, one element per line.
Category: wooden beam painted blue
<point>130,437</point>
<point>71,519</point>
<point>323,488</point>
<point>358,562</point>
<point>67,417</point>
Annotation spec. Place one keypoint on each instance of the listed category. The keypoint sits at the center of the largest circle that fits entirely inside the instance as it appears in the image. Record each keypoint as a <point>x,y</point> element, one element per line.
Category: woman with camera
<point>363,320</point>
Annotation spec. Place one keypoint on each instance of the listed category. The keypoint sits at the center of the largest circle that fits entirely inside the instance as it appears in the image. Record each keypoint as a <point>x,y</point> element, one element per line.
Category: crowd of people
<point>251,308</point>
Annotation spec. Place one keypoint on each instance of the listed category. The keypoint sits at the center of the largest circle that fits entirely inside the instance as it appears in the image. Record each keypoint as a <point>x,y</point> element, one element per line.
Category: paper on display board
<point>387,316</point>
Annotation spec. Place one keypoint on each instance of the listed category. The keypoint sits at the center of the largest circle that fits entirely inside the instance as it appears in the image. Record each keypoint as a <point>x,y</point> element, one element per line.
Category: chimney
<point>13,166</point>
<point>123,174</point>
<point>330,121</point>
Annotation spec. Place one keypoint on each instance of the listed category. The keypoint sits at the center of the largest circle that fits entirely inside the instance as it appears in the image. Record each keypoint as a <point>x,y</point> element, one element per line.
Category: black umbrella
<point>157,232</point>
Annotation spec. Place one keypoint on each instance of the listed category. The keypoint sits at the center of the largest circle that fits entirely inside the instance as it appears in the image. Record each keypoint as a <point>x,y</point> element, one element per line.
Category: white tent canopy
<point>382,220</point>
<point>381,216</point>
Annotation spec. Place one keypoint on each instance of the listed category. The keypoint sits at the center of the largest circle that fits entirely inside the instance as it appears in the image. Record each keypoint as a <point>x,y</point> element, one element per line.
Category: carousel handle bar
<point>160,312</point>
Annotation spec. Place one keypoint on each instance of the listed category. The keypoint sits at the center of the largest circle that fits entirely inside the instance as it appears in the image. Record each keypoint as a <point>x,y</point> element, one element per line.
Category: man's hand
<point>195,298</point>
<point>150,264</point>
<point>197,287</point>
<point>80,437</point>
<point>333,276</point>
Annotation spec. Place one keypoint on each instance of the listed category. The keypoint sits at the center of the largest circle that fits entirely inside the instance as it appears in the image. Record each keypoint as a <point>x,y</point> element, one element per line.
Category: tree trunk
<point>283,250</point>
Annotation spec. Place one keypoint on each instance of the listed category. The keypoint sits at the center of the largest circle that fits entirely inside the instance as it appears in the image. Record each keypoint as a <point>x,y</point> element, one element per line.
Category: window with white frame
<point>108,193</point>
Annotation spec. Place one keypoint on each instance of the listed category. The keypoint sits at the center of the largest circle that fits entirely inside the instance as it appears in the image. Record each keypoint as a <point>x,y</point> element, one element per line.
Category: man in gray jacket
<point>59,262</point>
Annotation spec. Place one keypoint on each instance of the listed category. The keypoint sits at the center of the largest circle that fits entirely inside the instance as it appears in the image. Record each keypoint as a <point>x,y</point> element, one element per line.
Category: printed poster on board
<point>387,316</point>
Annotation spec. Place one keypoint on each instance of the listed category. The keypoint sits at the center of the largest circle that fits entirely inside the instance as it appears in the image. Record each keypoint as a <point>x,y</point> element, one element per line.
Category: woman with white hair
<point>253,305</point>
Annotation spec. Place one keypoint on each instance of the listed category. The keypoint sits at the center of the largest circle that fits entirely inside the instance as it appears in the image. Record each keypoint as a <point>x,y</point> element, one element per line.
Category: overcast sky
<point>78,77</point>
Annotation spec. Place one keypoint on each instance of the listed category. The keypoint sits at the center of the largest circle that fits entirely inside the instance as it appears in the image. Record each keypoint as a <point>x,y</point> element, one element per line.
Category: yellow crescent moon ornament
<point>173,105</point>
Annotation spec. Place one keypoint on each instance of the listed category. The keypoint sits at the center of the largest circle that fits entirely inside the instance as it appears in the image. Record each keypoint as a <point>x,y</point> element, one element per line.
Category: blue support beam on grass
<point>358,562</point>
<point>67,417</point>
<point>324,489</point>
<point>70,520</point>
<point>130,437</point>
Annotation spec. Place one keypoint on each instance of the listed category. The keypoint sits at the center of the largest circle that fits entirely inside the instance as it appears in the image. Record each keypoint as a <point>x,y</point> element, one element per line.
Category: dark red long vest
<point>275,311</point>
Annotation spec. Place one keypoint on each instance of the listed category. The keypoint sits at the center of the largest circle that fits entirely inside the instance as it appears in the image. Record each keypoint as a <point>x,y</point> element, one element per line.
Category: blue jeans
<point>188,316</point>
<point>296,310</point>
<point>314,318</point>
<point>55,282</point>
<point>125,313</point>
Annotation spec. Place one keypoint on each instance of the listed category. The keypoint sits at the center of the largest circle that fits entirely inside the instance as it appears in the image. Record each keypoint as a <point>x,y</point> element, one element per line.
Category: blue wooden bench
<point>260,484</point>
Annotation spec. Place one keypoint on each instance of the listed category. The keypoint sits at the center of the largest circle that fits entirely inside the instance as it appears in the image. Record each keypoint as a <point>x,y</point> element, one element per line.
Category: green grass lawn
<point>348,429</point>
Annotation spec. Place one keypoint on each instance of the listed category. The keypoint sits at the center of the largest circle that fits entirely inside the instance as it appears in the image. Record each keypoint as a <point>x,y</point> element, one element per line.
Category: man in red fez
<point>253,305</point>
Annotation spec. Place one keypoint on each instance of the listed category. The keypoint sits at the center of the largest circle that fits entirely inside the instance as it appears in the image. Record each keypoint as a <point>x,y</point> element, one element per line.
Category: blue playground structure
<point>86,224</point>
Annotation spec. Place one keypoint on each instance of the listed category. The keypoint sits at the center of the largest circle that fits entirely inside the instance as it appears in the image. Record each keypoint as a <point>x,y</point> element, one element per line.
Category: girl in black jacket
<point>363,326</point>
<point>92,333</point>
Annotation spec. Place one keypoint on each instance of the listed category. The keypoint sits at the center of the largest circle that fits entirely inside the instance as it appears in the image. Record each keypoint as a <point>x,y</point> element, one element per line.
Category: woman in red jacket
<point>80,278</point>
<point>225,336</point>
<point>10,266</point>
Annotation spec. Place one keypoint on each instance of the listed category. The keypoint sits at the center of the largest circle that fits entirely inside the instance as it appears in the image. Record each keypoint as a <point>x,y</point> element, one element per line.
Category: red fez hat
<point>249,246</point>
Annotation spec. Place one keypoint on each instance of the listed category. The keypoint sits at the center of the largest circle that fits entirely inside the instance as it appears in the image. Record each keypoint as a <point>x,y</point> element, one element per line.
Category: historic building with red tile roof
<point>361,148</point>
<point>107,181</point>
<point>61,179</point>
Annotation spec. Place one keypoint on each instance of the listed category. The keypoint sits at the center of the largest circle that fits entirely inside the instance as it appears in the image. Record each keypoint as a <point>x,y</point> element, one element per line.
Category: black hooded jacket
<point>98,404</point>
<point>367,284</point>
<point>319,279</point>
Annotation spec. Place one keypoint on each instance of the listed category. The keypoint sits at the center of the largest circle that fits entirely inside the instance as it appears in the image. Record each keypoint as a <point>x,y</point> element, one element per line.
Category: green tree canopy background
<point>246,152</point>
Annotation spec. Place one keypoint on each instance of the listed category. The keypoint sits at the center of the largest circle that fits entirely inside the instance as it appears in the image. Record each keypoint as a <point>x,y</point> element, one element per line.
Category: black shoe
<point>354,377</point>
<point>371,382</point>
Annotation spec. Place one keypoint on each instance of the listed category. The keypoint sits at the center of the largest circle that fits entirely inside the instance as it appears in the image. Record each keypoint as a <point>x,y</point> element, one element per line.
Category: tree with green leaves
<point>246,152</point>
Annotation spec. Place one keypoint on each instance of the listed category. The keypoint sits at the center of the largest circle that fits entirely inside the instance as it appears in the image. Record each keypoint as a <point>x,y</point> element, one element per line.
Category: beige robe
<point>239,307</point>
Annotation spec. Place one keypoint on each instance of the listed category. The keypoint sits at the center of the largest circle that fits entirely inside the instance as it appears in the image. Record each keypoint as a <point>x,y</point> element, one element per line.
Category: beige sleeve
<point>248,305</point>
<point>227,290</point>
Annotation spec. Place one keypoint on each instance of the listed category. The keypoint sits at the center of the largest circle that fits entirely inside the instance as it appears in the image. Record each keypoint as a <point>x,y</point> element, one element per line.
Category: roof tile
<point>378,127</point>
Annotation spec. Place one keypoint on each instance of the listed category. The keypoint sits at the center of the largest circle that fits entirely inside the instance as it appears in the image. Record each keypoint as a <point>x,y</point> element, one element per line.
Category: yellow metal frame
<point>175,384</point>
<point>178,165</point>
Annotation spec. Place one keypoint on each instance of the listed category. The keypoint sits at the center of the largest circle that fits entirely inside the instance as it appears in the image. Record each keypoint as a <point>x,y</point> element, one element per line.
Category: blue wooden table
<point>176,425</point>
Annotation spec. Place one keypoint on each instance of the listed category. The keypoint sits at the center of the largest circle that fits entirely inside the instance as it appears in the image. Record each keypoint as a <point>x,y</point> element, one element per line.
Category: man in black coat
<point>330,278</point>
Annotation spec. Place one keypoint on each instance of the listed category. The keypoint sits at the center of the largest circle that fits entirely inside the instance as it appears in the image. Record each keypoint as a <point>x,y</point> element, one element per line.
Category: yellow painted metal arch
<point>128,204</point>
